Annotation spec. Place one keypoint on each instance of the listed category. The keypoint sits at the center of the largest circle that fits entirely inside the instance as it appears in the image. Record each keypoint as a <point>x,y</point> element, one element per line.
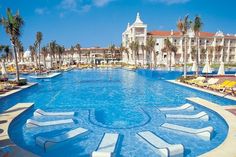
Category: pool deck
<point>5,120</point>
<point>17,90</point>
<point>204,90</point>
<point>227,147</point>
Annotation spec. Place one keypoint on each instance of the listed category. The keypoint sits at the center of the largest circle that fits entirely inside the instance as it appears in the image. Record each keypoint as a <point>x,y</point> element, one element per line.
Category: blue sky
<point>101,22</point>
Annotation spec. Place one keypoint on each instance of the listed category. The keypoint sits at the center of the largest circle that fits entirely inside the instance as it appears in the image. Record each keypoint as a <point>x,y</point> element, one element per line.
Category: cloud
<point>100,3</point>
<point>41,11</point>
<point>68,4</point>
<point>169,2</point>
<point>79,6</point>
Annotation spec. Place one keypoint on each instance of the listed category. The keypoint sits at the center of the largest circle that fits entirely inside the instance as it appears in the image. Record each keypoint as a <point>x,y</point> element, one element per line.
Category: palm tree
<point>143,48</point>
<point>112,49</point>
<point>168,48</point>
<point>78,47</point>
<point>122,49</point>
<point>218,49</point>
<point>210,50</point>
<point>44,53</point>
<point>134,47</point>
<point>197,27</point>
<point>39,37</point>
<point>13,25</point>
<point>19,49</point>
<point>60,51</point>
<point>72,51</point>
<point>136,50</point>
<point>183,27</point>
<point>7,52</point>
<point>32,52</point>
<point>150,47</point>
<point>193,52</point>
<point>52,50</point>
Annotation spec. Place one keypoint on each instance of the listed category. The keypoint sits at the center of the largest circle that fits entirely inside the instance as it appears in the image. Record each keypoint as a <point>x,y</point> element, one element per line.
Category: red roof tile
<point>175,33</point>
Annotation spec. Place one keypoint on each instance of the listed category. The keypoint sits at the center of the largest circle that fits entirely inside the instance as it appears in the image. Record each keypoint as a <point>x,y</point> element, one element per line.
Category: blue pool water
<point>107,101</point>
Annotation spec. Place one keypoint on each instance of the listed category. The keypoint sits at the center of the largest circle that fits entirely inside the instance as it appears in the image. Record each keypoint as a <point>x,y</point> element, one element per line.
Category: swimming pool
<point>113,100</point>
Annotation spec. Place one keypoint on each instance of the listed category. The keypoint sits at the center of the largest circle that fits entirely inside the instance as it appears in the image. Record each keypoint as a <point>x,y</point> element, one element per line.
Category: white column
<point>222,51</point>
<point>214,50</point>
<point>199,50</point>
<point>228,52</point>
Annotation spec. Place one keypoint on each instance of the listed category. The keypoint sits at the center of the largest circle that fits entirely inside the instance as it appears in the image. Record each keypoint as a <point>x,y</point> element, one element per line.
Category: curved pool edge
<point>8,117</point>
<point>21,88</point>
<point>226,147</point>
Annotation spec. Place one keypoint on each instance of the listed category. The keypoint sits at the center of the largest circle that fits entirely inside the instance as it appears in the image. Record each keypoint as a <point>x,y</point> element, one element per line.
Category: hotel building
<point>217,46</point>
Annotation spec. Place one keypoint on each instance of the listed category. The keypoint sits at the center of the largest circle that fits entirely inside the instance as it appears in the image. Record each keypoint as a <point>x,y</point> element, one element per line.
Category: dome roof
<point>27,54</point>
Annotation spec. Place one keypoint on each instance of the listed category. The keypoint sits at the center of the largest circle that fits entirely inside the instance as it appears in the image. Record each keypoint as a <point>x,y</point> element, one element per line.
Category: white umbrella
<point>194,67</point>
<point>207,68</point>
<point>221,70</point>
<point>4,71</point>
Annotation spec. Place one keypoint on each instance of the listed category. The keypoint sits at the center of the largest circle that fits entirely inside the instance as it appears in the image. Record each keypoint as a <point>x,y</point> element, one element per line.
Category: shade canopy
<point>194,67</point>
<point>221,70</point>
<point>207,68</point>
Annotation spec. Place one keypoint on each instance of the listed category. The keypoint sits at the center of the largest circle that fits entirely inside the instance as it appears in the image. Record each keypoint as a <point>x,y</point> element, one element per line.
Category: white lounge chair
<point>202,115</point>
<point>40,112</point>
<point>107,146</point>
<point>160,146</point>
<point>33,123</point>
<point>48,142</point>
<point>187,107</point>
<point>203,133</point>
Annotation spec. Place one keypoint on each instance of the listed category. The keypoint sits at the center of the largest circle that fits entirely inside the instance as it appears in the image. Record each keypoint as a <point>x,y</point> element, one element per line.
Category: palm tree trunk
<point>51,60</point>
<point>197,58</point>
<point>17,67</point>
<point>39,59</point>
<point>185,58</point>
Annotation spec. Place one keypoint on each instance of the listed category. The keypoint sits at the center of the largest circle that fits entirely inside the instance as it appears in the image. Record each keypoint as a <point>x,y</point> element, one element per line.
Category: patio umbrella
<point>221,70</point>
<point>4,71</point>
<point>194,67</point>
<point>207,68</point>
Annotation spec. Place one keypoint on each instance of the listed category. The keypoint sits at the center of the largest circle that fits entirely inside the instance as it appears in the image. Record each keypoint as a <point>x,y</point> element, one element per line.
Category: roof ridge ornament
<point>138,20</point>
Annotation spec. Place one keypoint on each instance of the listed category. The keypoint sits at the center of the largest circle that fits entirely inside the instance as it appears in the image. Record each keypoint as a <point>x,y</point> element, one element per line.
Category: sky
<point>101,22</point>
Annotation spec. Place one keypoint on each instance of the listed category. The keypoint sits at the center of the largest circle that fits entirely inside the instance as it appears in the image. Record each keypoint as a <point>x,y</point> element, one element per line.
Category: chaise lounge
<point>187,107</point>
<point>107,146</point>
<point>48,142</point>
<point>202,116</point>
<point>203,133</point>
<point>33,123</point>
<point>160,146</point>
<point>40,112</point>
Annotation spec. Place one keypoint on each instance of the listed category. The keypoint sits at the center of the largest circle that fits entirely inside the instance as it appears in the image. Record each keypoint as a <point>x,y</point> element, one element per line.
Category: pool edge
<point>8,117</point>
<point>226,147</point>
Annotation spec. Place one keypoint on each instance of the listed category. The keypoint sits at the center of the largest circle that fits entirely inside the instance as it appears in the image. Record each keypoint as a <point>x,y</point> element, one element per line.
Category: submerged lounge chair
<point>48,142</point>
<point>40,112</point>
<point>203,133</point>
<point>33,123</point>
<point>186,106</point>
<point>202,115</point>
<point>160,146</point>
<point>107,146</point>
